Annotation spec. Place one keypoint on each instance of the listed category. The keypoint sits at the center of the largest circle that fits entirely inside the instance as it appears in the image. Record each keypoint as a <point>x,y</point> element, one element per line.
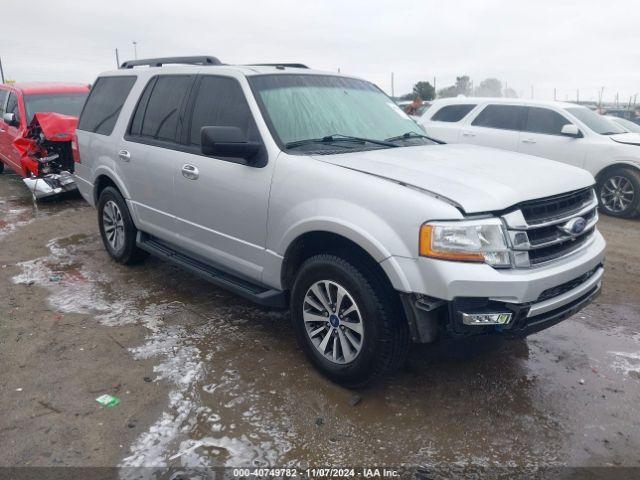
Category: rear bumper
<point>429,317</point>
<point>50,185</point>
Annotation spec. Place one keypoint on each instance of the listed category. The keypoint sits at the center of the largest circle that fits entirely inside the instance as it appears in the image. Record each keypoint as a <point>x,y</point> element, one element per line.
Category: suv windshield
<point>64,103</point>
<point>332,114</point>
<point>595,122</point>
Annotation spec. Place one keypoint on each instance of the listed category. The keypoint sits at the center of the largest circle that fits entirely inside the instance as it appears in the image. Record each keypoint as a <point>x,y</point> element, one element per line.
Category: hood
<point>54,127</point>
<point>478,179</point>
<point>628,138</point>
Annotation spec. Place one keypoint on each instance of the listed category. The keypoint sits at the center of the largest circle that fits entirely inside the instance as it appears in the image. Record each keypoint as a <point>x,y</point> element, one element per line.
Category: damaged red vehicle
<point>37,127</point>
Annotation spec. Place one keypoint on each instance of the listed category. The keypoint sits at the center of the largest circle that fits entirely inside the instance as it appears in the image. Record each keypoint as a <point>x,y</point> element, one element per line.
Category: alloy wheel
<point>617,194</point>
<point>113,225</point>
<point>333,322</point>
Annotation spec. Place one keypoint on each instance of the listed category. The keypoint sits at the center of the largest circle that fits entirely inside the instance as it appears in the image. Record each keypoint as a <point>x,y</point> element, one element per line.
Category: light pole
<point>135,50</point>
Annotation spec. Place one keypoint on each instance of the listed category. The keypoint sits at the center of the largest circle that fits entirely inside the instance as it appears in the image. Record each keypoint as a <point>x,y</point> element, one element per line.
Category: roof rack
<point>278,65</point>
<point>158,62</point>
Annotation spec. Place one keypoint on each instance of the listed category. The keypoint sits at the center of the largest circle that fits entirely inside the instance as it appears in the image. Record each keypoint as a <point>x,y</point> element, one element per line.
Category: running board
<point>251,291</point>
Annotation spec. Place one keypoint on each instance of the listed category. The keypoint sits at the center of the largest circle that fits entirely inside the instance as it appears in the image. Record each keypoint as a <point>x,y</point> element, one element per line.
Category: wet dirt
<point>207,379</point>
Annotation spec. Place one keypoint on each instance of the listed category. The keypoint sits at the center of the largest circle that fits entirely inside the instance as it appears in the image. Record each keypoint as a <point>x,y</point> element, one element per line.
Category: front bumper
<point>536,298</point>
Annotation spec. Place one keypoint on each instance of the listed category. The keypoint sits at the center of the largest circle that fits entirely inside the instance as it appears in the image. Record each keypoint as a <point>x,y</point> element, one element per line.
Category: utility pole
<point>555,96</point>
<point>117,59</point>
<point>435,90</point>
<point>532,91</point>
<point>577,95</point>
<point>1,71</point>
<point>135,50</point>
<point>393,92</point>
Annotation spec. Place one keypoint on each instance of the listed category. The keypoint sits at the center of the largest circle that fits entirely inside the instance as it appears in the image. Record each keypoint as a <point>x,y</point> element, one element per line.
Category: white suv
<point>564,132</point>
<point>313,191</point>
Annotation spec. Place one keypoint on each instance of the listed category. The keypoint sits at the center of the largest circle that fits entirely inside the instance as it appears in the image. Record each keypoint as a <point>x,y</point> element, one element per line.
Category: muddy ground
<point>205,378</point>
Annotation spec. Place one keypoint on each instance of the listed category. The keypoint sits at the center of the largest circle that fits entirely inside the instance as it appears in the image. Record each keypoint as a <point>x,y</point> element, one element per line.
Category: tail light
<point>75,149</point>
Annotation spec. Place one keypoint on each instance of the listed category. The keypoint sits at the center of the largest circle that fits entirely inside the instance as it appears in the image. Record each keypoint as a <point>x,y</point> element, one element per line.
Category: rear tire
<point>117,229</point>
<point>619,192</point>
<point>363,319</point>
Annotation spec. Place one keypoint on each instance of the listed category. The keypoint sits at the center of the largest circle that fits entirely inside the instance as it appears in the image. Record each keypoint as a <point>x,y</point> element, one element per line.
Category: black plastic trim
<point>159,62</point>
<point>257,293</point>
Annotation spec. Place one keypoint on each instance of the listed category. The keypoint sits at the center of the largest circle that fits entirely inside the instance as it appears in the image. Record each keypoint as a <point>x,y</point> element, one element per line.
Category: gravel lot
<point>206,378</point>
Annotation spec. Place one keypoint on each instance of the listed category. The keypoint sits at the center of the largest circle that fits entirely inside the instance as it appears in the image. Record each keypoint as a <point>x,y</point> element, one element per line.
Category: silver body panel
<point>244,218</point>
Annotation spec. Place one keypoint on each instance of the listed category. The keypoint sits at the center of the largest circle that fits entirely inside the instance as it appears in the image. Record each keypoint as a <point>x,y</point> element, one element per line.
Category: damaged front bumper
<point>430,318</point>
<point>50,185</point>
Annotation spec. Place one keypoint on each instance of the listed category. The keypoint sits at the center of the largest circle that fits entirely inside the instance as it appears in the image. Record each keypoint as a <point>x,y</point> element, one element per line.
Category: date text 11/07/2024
<point>315,473</point>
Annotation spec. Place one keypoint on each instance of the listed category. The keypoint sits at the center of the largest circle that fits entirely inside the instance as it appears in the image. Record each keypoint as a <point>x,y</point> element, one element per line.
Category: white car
<point>559,131</point>
<point>628,125</point>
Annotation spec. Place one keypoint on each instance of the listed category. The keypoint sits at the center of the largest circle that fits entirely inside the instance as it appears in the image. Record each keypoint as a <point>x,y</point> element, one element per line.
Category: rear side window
<point>452,113</point>
<point>102,108</point>
<point>3,98</point>
<point>157,115</point>
<point>543,120</point>
<point>220,101</point>
<point>504,117</point>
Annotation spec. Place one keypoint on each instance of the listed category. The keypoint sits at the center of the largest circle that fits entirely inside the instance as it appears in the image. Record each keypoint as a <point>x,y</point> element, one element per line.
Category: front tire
<point>347,320</point>
<point>117,229</point>
<point>619,193</point>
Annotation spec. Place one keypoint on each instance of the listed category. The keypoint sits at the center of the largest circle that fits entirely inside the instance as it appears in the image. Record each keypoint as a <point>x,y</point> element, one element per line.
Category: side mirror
<point>570,130</point>
<point>227,142</point>
<point>10,119</point>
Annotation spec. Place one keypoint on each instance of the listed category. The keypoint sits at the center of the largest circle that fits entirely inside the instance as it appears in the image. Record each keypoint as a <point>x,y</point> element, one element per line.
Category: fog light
<point>486,318</point>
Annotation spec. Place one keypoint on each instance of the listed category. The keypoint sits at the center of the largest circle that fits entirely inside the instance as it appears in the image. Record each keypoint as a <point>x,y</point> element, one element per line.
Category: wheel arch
<point>315,242</point>
<point>105,178</point>
<point>614,166</point>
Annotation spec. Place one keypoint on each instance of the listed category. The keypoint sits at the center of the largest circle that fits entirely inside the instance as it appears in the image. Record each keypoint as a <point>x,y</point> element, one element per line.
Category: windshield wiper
<point>411,135</point>
<point>338,137</point>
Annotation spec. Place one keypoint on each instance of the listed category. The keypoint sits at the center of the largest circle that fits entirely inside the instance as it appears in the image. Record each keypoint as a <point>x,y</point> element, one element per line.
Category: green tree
<point>489,87</point>
<point>510,93</point>
<point>448,92</point>
<point>463,85</point>
<point>424,90</point>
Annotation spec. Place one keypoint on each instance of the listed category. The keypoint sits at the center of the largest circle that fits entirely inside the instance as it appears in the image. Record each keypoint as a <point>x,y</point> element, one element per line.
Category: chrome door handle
<point>528,141</point>
<point>124,155</point>
<point>190,172</point>
<point>468,134</point>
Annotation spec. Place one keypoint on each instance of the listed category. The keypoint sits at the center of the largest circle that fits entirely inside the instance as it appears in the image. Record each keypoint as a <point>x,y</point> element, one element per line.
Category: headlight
<point>466,241</point>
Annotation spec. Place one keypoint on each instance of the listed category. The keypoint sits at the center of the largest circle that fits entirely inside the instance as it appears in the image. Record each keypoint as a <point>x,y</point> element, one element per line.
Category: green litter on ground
<point>108,400</point>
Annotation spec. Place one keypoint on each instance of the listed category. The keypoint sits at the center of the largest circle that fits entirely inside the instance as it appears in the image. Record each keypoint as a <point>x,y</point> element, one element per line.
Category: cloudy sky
<point>547,44</point>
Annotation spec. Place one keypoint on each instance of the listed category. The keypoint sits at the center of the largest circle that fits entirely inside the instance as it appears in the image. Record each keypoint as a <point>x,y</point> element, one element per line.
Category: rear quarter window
<point>452,113</point>
<point>105,101</point>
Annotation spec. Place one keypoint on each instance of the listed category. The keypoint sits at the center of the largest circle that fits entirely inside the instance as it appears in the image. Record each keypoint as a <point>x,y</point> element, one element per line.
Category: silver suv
<point>313,191</point>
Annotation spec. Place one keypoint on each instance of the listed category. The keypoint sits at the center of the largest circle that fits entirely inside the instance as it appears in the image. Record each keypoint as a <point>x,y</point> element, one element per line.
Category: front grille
<point>536,227</point>
<point>540,211</point>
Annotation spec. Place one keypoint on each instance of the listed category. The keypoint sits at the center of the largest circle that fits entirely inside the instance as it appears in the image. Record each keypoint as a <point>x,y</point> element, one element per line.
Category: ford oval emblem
<point>574,227</point>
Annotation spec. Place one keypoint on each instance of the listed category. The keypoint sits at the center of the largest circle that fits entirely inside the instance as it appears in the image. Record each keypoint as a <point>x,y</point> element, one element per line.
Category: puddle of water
<point>243,395</point>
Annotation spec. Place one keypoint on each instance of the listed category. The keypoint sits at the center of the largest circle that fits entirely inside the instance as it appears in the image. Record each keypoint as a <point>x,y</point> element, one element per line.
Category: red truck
<point>37,125</point>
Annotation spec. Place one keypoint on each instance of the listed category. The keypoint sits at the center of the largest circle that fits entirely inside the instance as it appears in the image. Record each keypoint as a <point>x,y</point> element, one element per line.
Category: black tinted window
<point>102,108</point>
<point>452,113</point>
<point>505,117</point>
<point>162,112</point>
<point>3,99</point>
<point>543,120</point>
<point>220,102</point>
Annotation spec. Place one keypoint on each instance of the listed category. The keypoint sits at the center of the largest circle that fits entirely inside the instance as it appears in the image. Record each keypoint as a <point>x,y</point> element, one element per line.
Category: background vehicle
<point>312,191</point>
<point>564,132</point>
<point>628,125</point>
<point>46,165</point>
